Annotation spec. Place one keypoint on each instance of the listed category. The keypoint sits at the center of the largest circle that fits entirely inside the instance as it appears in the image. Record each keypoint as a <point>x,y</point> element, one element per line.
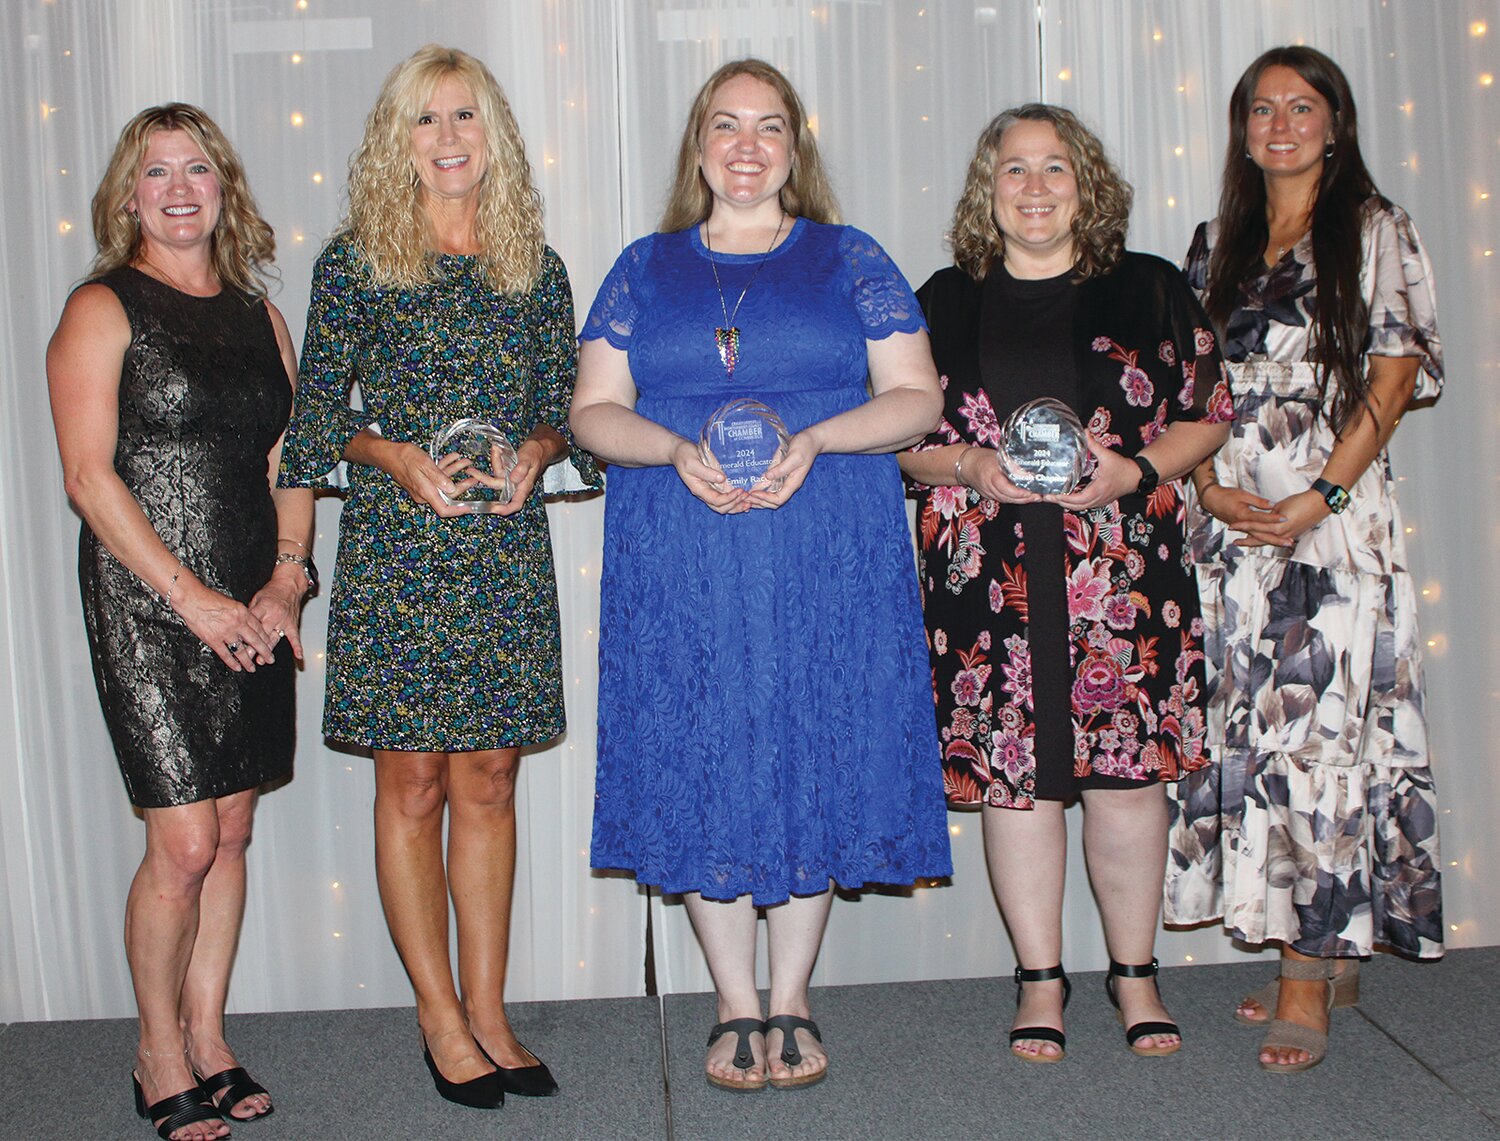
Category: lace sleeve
<point>882,297</point>
<point>613,314</point>
<point>1398,289</point>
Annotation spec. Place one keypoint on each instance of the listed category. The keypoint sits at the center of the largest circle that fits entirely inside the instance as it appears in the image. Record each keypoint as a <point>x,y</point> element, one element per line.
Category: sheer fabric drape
<point>898,90</point>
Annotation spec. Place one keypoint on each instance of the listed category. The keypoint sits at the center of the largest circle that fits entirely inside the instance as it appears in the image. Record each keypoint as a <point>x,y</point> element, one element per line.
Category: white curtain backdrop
<point>898,90</point>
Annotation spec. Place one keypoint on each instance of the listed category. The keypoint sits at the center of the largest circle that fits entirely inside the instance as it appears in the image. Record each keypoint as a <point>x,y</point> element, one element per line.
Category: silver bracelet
<point>171,586</point>
<point>958,466</point>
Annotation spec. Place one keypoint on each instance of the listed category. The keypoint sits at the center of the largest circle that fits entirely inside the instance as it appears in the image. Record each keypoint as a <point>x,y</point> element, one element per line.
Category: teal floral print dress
<point>1317,825</point>
<point>442,633</point>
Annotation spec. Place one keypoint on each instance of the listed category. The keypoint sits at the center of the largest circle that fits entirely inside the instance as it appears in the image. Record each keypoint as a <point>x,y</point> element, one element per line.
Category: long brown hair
<point>386,217</point>
<point>243,245</point>
<point>807,193</point>
<point>1103,216</point>
<point>1342,319</point>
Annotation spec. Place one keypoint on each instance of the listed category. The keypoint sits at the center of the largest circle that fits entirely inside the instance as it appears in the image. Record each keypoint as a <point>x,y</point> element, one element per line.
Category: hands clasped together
<point>1114,475</point>
<point>707,481</point>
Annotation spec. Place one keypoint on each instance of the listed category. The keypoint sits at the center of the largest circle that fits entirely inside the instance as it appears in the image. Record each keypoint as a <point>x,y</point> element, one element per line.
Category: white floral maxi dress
<point>1317,826</point>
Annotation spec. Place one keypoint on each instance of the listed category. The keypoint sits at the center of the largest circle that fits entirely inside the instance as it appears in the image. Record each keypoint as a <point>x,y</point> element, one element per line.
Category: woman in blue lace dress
<point>765,710</point>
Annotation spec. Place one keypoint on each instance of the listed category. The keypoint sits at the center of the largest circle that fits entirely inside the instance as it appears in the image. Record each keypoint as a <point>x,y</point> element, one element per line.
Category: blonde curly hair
<point>806,194</point>
<point>1103,216</point>
<point>242,246</point>
<point>387,218</point>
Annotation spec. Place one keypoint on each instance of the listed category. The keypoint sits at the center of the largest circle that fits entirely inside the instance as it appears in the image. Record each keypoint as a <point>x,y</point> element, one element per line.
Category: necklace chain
<point>727,336</point>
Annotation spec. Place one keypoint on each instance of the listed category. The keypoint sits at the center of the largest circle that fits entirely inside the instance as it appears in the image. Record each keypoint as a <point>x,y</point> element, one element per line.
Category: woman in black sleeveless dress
<point>171,382</point>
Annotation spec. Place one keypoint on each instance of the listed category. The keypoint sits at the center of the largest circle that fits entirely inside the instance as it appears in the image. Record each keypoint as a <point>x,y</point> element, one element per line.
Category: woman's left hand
<point>791,469</point>
<point>277,606</point>
<point>531,461</point>
<point>1115,475</point>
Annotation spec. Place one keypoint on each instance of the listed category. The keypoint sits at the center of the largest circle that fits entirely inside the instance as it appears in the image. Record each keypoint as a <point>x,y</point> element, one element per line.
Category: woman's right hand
<point>979,468</point>
<point>221,622</point>
<point>426,481</point>
<point>1243,511</point>
<point>707,482</point>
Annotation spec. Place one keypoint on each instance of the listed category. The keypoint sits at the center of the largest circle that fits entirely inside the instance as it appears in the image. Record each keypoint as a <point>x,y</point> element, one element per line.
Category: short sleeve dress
<point>203,398</point>
<point>442,633</point>
<point>765,714</point>
<point>1066,646</point>
<point>1318,825</point>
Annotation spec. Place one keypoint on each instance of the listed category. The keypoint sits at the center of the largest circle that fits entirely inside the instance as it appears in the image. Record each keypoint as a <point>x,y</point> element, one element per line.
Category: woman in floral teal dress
<point>1317,829</point>
<point>440,299</point>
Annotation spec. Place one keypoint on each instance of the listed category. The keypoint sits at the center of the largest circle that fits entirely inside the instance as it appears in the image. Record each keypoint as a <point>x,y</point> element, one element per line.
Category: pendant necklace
<point>727,336</point>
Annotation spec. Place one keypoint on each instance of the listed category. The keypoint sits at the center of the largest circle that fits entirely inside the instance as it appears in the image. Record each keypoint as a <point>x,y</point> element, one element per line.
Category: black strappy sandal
<point>236,1085</point>
<point>744,1056</point>
<point>1041,1033</point>
<point>1139,1030</point>
<point>176,1110</point>
<point>789,1024</point>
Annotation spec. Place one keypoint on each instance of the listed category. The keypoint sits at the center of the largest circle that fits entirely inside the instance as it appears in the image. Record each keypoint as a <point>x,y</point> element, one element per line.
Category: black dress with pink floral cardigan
<point>1066,647</point>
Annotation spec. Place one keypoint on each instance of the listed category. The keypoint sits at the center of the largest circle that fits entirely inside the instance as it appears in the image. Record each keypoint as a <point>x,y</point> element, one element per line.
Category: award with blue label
<point>488,450</point>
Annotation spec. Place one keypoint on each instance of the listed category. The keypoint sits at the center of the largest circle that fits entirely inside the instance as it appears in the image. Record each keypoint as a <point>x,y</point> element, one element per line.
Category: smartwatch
<point>1333,495</point>
<point>1149,476</point>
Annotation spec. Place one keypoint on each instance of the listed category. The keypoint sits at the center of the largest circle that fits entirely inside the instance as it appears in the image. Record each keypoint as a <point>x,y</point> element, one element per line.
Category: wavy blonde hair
<point>242,246</point>
<point>1103,216</point>
<point>387,218</point>
<point>806,194</point>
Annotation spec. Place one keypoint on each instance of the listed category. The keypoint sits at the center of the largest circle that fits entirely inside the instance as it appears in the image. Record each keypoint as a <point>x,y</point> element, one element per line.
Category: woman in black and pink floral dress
<point>1066,642</point>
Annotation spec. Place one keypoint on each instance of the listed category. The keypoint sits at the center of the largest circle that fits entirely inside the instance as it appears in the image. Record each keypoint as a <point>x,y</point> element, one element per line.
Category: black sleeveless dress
<point>203,398</point>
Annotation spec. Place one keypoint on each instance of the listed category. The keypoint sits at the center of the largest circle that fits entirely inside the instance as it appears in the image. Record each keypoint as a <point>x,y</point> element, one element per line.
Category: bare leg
<point>1125,847</point>
<point>410,791</point>
<point>220,915</point>
<point>161,924</point>
<point>726,931</point>
<point>1027,854</point>
<point>795,930</point>
<point>1304,1001</point>
<point>481,878</point>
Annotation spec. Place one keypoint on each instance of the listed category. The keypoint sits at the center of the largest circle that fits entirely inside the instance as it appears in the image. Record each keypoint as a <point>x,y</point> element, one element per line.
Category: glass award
<point>487,450</point>
<point>744,438</point>
<point>1042,447</point>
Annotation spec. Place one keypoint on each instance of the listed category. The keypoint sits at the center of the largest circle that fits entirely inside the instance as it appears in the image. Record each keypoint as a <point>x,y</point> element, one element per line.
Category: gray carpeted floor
<point>1420,1057</point>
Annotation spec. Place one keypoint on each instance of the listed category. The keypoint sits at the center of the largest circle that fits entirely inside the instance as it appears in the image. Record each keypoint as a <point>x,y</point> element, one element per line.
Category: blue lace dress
<point>765,704</point>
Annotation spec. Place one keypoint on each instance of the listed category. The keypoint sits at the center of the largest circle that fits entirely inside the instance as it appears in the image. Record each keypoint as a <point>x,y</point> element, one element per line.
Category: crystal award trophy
<point>744,438</point>
<point>1042,447</point>
<point>487,450</point>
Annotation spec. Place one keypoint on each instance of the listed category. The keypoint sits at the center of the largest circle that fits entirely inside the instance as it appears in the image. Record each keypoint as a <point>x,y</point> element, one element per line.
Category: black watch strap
<point>1150,477</point>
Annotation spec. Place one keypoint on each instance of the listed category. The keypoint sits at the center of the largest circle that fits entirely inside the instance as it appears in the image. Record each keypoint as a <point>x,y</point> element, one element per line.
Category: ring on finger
<point>232,647</point>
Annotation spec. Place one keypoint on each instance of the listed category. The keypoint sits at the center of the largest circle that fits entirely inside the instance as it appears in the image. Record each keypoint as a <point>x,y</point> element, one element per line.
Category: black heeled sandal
<point>744,1056</point>
<point>1139,1030</point>
<point>173,1112</point>
<point>1041,1033</point>
<point>483,1092</point>
<point>236,1085</point>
